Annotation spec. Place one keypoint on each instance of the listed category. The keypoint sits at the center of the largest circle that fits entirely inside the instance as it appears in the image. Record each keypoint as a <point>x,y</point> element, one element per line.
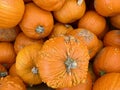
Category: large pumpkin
<point>50,5</point>
<point>12,83</point>
<point>25,64</point>
<point>112,38</point>
<point>109,81</point>
<point>107,60</point>
<point>11,12</point>
<point>36,23</point>
<point>71,11</point>
<point>63,62</point>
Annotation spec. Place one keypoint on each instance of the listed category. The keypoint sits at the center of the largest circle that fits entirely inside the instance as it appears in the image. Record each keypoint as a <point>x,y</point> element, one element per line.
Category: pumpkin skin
<point>107,7</point>
<point>12,83</point>
<point>60,29</point>
<point>89,38</point>
<point>87,85</point>
<point>25,64</point>
<point>11,12</point>
<point>107,60</point>
<point>3,71</point>
<point>50,5</point>
<point>112,38</point>
<point>71,11</point>
<point>63,62</point>
<point>9,34</point>
<point>105,82</point>
<point>22,40</point>
<point>93,22</point>
<point>7,56</point>
<point>36,23</point>
<point>12,70</point>
<point>115,21</point>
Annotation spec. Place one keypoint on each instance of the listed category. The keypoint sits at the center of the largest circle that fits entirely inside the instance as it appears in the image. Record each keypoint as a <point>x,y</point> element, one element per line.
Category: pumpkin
<point>63,62</point>
<point>89,38</point>
<point>9,34</point>
<point>50,5</point>
<point>107,60</point>
<point>7,53</point>
<point>11,12</point>
<point>115,21</point>
<point>71,11</point>
<point>112,38</point>
<point>36,23</point>
<point>87,85</point>
<point>12,70</point>
<point>108,81</point>
<point>60,29</point>
<point>12,83</point>
<point>3,71</point>
<point>22,40</point>
<point>93,22</point>
<point>25,64</point>
<point>107,7</point>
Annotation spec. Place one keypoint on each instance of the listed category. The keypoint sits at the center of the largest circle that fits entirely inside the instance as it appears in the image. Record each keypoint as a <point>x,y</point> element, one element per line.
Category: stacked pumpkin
<point>65,44</point>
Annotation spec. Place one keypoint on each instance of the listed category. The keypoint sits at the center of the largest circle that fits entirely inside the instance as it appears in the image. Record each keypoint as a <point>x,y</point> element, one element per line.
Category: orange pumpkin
<point>89,38</point>
<point>36,23</point>
<point>9,34</point>
<point>115,21</point>
<point>87,85</point>
<point>50,5</point>
<point>11,12</point>
<point>12,83</point>
<point>63,62</point>
<point>71,11</point>
<point>12,70</point>
<point>107,60</point>
<point>22,40</point>
<point>107,7</point>
<point>112,38</point>
<point>93,22</point>
<point>3,71</point>
<point>7,53</point>
<point>60,29</point>
<point>25,64</point>
<point>109,81</point>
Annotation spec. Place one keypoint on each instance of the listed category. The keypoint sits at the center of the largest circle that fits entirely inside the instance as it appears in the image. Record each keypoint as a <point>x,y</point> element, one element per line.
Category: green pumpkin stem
<point>101,73</point>
<point>40,29</point>
<point>79,2</point>
<point>70,64</point>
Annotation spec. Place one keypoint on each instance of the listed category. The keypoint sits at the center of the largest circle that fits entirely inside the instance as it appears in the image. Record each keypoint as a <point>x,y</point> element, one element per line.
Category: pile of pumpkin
<point>66,44</point>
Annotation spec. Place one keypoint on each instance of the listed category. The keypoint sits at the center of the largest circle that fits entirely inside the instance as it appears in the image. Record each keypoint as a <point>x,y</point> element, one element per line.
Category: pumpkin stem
<point>101,73</point>
<point>40,29</point>
<point>79,2</point>
<point>70,64</point>
<point>35,70</point>
<point>3,74</point>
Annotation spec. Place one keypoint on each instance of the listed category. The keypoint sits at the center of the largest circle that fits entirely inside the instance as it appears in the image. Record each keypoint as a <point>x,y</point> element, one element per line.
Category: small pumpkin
<point>112,38</point>
<point>115,21</point>
<point>71,11</point>
<point>89,38</point>
<point>3,71</point>
<point>60,29</point>
<point>63,62</point>
<point>9,34</point>
<point>87,85</point>
<point>107,7</point>
<point>50,5</point>
<point>107,61</point>
<point>22,40</point>
<point>108,81</point>
<point>36,23</point>
<point>12,83</point>
<point>93,22</point>
<point>12,70</point>
<point>25,64</point>
<point>7,53</point>
<point>11,12</point>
